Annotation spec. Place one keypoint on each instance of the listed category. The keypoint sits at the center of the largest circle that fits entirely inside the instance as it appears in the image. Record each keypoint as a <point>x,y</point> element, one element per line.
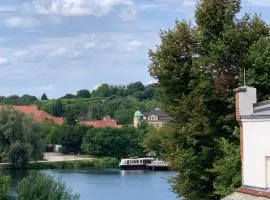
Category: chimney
<point>245,98</point>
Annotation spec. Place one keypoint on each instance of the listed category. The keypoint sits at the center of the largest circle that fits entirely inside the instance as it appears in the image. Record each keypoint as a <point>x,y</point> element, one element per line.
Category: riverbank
<point>82,163</point>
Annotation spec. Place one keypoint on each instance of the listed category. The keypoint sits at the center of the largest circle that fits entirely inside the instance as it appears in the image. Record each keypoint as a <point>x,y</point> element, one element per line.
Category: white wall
<point>256,146</point>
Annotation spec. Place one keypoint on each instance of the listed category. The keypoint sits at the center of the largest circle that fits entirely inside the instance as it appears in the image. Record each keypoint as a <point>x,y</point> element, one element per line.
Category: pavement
<point>54,157</point>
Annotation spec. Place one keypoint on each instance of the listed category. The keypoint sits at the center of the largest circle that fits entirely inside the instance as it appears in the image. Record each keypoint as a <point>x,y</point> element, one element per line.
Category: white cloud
<point>46,87</point>
<point>128,14</point>
<point>21,22</point>
<point>257,2</point>
<point>3,61</point>
<point>89,45</point>
<point>133,46</point>
<point>78,7</point>
<point>62,51</point>
<point>21,53</point>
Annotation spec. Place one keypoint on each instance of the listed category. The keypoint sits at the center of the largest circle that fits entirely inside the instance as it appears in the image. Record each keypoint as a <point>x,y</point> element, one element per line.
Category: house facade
<point>156,118</point>
<point>254,122</point>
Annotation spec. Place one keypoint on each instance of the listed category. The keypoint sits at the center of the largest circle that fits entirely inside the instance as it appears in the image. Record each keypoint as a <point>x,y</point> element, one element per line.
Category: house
<point>254,122</point>
<point>38,115</point>
<point>102,123</point>
<point>155,118</point>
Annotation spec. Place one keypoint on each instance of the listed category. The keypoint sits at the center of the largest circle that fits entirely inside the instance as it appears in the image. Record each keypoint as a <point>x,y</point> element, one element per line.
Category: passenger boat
<point>158,165</point>
<point>143,164</point>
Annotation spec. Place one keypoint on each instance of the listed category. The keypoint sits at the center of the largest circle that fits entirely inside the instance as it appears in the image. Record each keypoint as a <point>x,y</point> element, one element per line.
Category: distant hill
<point>119,102</point>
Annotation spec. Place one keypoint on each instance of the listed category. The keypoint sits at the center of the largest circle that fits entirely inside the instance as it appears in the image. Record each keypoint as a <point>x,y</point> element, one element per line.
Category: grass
<point>72,164</point>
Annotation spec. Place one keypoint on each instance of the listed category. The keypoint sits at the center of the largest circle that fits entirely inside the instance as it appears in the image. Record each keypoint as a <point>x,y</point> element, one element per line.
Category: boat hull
<point>145,167</point>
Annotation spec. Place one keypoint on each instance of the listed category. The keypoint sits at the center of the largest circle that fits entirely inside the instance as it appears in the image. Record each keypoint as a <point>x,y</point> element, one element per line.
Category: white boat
<point>135,163</point>
<point>158,165</point>
<point>143,163</point>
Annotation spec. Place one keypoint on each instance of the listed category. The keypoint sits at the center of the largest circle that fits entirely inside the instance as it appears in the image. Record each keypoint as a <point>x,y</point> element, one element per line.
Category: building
<point>155,118</point>
<point>254,122</point>
<point>41,116</point>
<point>38,115</point>
<point>106,122</point>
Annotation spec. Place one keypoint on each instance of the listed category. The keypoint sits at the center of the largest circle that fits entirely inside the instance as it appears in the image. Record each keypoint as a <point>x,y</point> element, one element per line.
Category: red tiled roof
<point>254,192</point>
<point>37,114</point>
<point>101,123</point>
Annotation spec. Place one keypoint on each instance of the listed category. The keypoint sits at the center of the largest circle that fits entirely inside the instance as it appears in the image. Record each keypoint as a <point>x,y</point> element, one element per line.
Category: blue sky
<point>61,46</point>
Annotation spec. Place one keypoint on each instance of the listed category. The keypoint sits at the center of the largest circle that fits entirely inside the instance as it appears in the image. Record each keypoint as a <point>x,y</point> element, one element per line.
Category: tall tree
<point>197,68</point>
<point>44,97</point>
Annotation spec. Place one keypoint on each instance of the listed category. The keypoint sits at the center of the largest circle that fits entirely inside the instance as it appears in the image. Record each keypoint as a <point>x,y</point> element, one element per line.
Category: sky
<point>61,46</point>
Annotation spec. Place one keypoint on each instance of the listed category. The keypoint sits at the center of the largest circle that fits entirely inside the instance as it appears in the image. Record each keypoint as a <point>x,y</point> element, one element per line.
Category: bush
<point>4,185</point>
<point>42,187</point>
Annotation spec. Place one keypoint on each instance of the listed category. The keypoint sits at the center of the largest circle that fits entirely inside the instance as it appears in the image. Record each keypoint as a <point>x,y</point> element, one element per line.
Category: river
<point>110,184</point>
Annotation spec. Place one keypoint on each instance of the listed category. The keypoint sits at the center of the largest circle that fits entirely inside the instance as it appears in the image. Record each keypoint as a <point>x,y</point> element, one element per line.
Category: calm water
<point>111,184</point>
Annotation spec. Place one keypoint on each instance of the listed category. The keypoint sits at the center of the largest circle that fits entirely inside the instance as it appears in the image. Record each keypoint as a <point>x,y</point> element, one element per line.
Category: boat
<point>158,165</point>
<point>135,163</point>
<point>143,164</point>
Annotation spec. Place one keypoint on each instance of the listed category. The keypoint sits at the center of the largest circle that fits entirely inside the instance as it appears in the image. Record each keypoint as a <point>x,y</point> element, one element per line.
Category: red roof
<point>101,123</point>
<point>37,114</point>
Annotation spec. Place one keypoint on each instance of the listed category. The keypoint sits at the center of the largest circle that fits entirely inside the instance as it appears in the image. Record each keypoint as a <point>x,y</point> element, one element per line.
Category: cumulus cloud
<point>21,22</point>
<point>43,88</point>
<point>77,7</point>
<point>134,45</point>
<point>62,51</point>
<point>3,61</point>
<point>21,53</point>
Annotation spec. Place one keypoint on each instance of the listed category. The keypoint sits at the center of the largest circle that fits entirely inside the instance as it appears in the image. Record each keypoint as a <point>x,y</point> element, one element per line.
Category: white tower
<point>137,118</point>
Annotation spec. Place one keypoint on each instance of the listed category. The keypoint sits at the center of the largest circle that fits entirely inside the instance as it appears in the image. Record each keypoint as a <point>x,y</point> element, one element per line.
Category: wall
<point>256,146</point>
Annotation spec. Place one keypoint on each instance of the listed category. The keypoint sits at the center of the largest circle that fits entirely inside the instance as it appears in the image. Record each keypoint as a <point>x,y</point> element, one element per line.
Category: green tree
<point>42,187</point>
<point>44,97</point>
<point>83,94</point>
<point>197,68</point>
<point>71,137</point>
<point>112,142</point>
<point>134,87</point>
<point>20,138</point>
<point>57,108</point>
<point>4,185</point>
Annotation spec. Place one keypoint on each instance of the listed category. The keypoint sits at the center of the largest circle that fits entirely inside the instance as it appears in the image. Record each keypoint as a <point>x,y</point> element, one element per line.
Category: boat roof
<point>138,159</point>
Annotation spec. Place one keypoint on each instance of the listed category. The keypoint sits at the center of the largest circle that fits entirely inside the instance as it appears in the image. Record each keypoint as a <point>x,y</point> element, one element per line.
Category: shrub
<point>42,187</point>
<point>4,185</point>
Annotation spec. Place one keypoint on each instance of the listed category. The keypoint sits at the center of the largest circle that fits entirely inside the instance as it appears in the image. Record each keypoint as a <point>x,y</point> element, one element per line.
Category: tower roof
<point>138,114</point>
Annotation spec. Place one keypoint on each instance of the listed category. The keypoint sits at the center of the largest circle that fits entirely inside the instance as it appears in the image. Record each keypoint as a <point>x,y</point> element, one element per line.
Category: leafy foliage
<point>42,187</point>
<point>4,185</point>
<point>113,142</point>
<point>20,138</point>
<point>197,68</point>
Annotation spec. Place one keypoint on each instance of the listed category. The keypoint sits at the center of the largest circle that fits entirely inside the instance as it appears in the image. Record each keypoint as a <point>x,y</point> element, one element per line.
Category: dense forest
<point>119,102</point>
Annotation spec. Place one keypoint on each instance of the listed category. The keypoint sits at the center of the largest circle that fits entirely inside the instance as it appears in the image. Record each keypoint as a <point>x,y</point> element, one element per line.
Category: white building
<point>254,122</point>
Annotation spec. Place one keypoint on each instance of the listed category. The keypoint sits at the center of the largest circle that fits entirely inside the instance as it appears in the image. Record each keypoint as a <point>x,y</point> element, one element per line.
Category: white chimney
<point>245,98</point>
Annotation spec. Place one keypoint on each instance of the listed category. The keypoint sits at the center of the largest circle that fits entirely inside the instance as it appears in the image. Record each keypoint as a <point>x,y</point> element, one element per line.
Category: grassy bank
<point>72,164</point>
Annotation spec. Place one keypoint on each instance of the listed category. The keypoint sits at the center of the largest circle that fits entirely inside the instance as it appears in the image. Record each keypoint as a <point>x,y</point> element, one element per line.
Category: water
<point>112,184</point>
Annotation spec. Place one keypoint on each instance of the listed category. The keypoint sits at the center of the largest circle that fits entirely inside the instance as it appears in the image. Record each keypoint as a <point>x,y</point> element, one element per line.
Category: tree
<point>20,138</point>
<point>42,187</point>
<point>44,97</point>
<point>4,185</point>
<point>69,96</point>
<point>134,87</point>
<point>112,142</point>
<point>197,68</point>
<point>71,137</point>
<point>57,108</point>
<point>83,94</point>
